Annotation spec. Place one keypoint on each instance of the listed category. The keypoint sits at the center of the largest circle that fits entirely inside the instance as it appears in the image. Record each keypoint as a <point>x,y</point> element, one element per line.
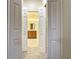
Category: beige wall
<point>66,29</point>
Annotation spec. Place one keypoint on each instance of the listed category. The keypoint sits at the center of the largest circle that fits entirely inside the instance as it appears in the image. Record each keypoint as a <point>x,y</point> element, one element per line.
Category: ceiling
<point>32,4</point>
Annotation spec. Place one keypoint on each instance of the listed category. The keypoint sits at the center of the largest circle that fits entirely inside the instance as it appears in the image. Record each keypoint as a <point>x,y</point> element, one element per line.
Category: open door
<point>54,29</point>
<point>14,29</point>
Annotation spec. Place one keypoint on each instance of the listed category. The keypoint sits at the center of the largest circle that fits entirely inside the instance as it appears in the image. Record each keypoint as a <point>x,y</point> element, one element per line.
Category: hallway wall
<point>66,29</point>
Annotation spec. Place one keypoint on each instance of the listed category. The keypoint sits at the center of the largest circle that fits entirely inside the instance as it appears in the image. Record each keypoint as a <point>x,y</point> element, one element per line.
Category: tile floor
<point>34,53</point>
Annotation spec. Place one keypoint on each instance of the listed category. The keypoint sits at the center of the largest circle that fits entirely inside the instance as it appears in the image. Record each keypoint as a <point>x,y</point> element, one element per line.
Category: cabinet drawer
<point>32,34</point>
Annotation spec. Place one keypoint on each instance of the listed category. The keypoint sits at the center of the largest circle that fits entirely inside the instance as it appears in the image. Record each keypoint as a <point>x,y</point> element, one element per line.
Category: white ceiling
<point>32,4</point>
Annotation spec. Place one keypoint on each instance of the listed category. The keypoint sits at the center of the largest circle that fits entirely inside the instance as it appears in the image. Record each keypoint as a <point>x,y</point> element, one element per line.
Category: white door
<point>54,35</point>
<point>14,29</point>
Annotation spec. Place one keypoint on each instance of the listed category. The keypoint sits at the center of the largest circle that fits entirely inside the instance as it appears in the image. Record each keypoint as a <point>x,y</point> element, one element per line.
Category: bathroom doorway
<point>34,29</point>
